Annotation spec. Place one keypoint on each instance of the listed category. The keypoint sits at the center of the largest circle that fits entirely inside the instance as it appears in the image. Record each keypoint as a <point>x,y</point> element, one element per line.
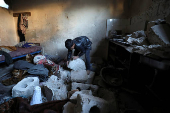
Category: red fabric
<point>49,62</point>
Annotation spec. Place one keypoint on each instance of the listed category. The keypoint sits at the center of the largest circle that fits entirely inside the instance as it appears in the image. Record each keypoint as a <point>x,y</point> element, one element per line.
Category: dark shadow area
<point>94,109</point>
<point>30,4</point>
<point>78,88</point>
<point>20,34</point>
<point>102,48</point>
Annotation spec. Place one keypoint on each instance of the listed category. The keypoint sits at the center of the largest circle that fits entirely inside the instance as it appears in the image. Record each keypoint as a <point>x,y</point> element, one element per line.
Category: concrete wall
<point>53,21</point>
<point>147,10</point>
<point>8,33</point>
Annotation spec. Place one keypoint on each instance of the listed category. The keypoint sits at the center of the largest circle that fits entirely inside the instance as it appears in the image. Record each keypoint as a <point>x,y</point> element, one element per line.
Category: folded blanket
<point>40,71</point>
<point>22,65</point>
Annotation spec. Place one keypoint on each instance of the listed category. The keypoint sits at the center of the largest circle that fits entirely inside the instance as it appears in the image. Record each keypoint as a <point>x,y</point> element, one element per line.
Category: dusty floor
<point>131,99</point>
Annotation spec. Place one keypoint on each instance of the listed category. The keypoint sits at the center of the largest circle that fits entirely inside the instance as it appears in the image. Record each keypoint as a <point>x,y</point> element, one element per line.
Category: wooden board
<point>17,14</point>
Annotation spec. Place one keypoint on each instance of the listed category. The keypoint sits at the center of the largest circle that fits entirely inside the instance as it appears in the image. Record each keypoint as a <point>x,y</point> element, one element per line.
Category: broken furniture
<point>146,74</point>
<point>119,57</point>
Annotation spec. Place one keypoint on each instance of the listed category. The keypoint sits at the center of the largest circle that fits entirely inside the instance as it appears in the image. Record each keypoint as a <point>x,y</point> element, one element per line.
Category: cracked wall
<point>53,21</point>
<point>148,10</point>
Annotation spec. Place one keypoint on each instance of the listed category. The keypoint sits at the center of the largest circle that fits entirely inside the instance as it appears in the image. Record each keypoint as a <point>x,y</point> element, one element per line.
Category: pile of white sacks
<point>74,84</point>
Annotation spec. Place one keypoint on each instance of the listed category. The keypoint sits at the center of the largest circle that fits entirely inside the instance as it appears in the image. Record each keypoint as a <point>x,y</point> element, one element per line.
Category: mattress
<point>22,52</point>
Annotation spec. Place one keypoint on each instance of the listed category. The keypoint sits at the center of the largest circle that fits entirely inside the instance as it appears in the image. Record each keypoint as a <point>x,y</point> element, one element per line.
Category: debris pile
<point>155,40</point>
<point>71,85</point>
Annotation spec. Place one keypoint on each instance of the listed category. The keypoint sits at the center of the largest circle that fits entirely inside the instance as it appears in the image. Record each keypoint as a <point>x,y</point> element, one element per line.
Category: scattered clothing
<point>20,44</point>
<point>23,68</point>
<point>25,44</point>
<point>50,65</point>
<point>40,71</point>
<point>18,75</point>
<point>8,58</point>
<point>39,59</point>
<point>22,65</point>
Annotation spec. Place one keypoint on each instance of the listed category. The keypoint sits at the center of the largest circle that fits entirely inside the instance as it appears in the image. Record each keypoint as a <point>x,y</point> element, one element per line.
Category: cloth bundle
<point>41,59</point>
<point>50,65</point>
<point>18,75</point>
<point>23,68</point>
<point>25,44</point>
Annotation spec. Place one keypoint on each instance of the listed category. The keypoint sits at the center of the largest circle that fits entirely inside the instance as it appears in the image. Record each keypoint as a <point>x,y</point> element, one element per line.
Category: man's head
<point>69,44</point>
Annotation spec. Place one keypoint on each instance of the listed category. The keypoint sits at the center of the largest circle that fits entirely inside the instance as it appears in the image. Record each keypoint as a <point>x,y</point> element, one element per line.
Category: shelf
<point>154,94</point>
<point>121,45</point>
<point>124,64</point>
<point>113,48</point>
<point>112,57</point>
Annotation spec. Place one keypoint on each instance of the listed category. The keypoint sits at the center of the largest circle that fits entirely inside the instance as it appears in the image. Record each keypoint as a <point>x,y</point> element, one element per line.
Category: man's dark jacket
<point>82,43</point>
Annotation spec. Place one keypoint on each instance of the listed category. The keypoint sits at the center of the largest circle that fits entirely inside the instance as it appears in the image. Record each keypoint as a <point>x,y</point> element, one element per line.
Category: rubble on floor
<point>82,86</point>
<point>57,87</point>
<point>138,34</point>
<point>69,107</point>
<point>82,91</point>
<point>74,95</point>
<point>86,103</point>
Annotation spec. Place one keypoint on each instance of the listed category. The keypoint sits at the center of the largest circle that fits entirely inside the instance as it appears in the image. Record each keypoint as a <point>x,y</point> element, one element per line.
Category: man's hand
<point>75,57</point>
<point>67,63</point>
